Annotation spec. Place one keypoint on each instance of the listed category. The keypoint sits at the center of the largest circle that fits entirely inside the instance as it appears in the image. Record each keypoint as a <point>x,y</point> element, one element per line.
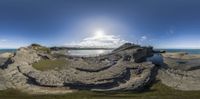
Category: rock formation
<point>128,67</point>
<point>180,71</point>
<point>123,69</point>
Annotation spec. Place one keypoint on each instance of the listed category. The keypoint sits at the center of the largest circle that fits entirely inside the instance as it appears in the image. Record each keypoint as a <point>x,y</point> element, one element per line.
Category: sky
<point>108,23</point>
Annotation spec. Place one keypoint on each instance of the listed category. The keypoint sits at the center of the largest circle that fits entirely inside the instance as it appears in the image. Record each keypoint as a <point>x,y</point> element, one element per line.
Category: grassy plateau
<point>43,65</point>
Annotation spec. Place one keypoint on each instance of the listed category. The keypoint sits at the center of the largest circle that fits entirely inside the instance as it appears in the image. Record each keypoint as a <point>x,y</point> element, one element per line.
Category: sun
<point>99,34</point>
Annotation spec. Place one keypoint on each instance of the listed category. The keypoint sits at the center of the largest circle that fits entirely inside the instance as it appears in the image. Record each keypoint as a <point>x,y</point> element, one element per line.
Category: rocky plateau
<point>126,68</point>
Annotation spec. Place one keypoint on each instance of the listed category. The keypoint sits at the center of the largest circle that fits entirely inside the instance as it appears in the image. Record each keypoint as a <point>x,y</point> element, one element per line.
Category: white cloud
<point>145,41</point>
<point>99,40</point>
<point>143,38</point>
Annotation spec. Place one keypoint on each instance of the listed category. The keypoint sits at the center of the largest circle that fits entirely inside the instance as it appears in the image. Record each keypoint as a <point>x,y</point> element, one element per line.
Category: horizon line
<point>102,47</point>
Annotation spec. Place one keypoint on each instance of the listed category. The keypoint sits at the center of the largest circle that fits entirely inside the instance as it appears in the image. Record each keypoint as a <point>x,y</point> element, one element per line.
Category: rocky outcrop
<point>181,80</point>
<point>134,52</point>
<point>4,58</point>
<point>123,69</point>
<point>180,71</point>
<point>2,81</point>
<point>14,78</point>
<point>129,67</point>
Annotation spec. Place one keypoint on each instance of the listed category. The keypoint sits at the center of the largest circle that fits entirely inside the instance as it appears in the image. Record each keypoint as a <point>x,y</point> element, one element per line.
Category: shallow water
<point>87,52</point>
<point>156,59</point>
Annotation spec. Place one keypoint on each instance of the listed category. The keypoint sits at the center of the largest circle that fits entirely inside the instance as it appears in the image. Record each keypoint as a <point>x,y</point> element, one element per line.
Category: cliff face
<point>123,69</point>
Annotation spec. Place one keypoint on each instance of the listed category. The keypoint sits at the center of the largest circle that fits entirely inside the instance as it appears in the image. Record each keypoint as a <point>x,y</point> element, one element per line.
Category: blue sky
<point>160,23</point>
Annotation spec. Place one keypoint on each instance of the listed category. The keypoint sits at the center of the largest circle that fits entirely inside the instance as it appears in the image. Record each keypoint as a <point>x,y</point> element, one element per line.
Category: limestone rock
<point>125,68</point>
<point>180,71</point>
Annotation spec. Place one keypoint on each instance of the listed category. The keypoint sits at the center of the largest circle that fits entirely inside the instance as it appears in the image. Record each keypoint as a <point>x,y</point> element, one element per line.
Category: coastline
<point>43,68</point>
<point>7,50</point>
<point>189,51</point>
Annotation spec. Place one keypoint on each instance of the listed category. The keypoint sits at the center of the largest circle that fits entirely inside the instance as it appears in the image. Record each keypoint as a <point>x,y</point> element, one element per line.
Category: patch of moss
<point>43,65</point>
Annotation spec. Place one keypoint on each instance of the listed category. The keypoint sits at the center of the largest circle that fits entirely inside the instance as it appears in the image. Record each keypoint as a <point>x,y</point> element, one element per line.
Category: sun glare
<point>99,34</point>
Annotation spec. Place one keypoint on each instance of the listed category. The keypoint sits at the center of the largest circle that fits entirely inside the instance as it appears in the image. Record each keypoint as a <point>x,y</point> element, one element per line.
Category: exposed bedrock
<point>180,71</point>
<point>125,68</point>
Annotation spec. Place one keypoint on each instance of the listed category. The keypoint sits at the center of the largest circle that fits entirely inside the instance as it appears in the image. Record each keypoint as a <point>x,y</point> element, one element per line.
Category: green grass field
<point>157,91</point>
<point>50,64</point>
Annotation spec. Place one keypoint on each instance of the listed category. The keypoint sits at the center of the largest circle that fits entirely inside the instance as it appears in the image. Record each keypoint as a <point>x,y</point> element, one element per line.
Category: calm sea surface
<point>190,51</point>
<point>7,50</point>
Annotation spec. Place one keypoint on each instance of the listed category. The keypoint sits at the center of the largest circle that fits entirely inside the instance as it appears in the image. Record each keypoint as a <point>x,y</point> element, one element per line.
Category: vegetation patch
<point>157,91</point>
<point>44,65</point>
<point>40,48</point>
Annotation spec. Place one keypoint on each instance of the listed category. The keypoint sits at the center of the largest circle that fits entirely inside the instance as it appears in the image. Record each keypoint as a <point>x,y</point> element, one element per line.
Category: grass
<point>157,91</point>
<point>44,65</point>
<point>42,49</point>
<point>39,48</point>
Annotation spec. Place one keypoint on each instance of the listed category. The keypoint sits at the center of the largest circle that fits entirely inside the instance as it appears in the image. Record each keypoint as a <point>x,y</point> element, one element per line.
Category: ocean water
<point>189,51</point>
<point>7,50</point>
<point>97,52</point>
<point>158,59</point>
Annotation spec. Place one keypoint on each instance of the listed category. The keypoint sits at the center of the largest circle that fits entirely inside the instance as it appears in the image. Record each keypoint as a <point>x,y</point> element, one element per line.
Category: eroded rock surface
<point>181,71</point>
<point>123,69</point>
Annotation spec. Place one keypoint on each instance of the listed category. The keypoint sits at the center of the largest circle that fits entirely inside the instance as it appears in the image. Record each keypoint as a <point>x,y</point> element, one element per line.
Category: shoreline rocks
<point>180,71</point>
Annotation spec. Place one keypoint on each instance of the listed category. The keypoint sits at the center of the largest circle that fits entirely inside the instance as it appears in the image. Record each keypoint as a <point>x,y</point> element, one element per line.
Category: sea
<point>189,51</point>
<point>99,51</point>
<point>7,50</point>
